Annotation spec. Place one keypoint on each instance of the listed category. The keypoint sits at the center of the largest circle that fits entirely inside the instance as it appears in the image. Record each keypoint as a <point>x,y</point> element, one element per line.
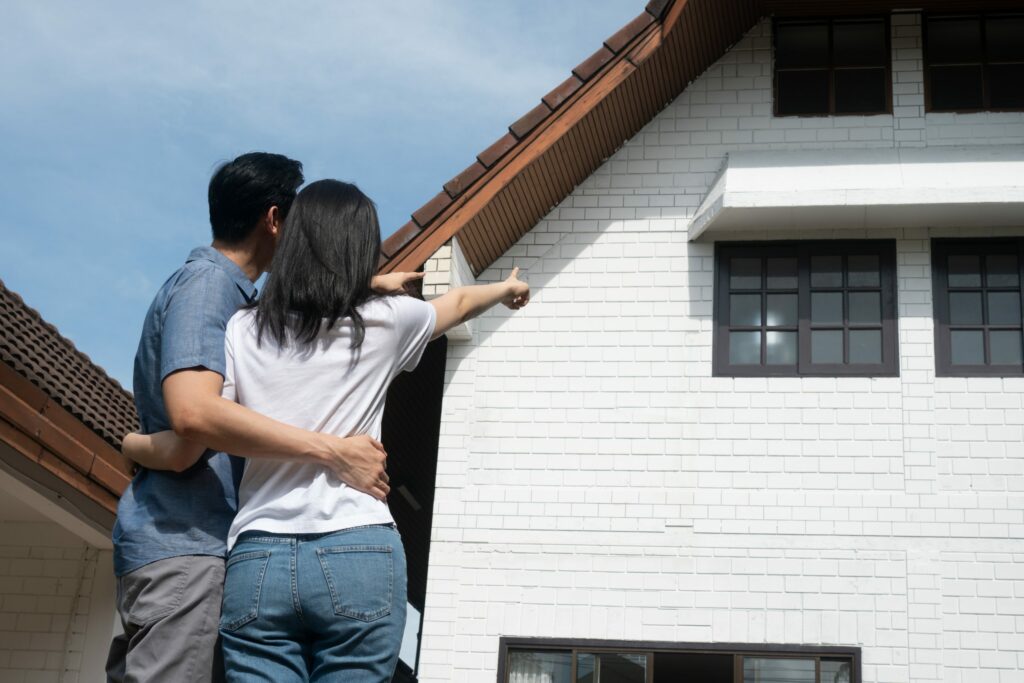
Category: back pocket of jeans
<point>360,579</point>
<point>243,583</point>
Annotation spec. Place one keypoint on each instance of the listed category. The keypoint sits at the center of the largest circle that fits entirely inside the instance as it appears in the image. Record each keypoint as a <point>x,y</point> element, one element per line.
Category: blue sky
<point>115,114</point>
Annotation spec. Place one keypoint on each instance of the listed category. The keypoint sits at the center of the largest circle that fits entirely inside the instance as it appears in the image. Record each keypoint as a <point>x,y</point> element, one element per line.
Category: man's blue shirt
<point>169,514</point>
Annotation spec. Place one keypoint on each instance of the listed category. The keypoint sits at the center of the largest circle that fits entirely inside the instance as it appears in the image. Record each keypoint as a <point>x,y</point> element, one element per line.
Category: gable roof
<point>606,100</point>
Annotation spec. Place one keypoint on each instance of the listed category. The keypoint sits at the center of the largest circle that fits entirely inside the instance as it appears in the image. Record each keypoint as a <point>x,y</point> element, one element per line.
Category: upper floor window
<point>978,314</point>
<point>974,62</point>
<point>832,66</point>
<point>823,308</point>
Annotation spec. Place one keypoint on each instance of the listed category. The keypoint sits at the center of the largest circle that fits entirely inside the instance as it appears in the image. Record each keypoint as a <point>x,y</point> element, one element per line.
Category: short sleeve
<point>228,390</point>
<point>415,322</point>
<point>194,320</point>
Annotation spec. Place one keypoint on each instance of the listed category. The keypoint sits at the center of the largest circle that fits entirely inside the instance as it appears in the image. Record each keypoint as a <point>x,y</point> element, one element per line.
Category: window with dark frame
<point>978,314</point>
<point>825,308</point>
<point>832,66</point>
<point>527,660</point>
<point>974,62</point>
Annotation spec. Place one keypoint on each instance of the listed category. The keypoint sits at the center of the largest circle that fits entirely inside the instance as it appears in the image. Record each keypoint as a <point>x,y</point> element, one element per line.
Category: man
<point>172,521</point>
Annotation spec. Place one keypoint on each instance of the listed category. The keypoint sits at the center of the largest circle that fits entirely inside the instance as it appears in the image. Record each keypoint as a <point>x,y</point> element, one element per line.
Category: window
<point>977,295</point>
<point>974,62</point>
<point>809,308</point>
<point>540,660</point>
<point>832,66</point>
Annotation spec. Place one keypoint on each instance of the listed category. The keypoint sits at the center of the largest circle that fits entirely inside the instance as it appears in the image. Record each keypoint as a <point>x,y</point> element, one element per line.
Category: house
<point>763,419</point>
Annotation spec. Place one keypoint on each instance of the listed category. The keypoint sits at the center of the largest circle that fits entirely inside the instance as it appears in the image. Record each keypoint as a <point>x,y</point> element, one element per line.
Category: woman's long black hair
<point>325,259</point>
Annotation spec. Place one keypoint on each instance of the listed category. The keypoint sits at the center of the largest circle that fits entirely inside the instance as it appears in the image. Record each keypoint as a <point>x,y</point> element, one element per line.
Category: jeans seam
<point>296,599</point>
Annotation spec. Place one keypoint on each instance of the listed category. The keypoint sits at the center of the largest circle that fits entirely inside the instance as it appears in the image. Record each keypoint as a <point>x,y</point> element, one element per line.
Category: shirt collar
<point>229,266</point>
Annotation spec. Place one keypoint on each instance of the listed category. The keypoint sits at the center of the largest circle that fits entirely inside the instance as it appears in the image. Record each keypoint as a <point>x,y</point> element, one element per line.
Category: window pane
<point>967,347</point>
<point>778,670</point>
<point>860,91</point>
<point>864,270</point>
<point>865,346</point>
<point>956,87</point>
<point>865,308</point>
<point>1003,36</point>
<point>827,346</point>
<point>1003,308</point>
<point>1005,347</point>
<point>781,348</point>
<point>745,273</point>
<point>744,348</point>
<point>859,43</point>
<point>965,308</point>
<point>801,45</point>
<point>1002,270</point>
<point>609,668</point>
<point>964,271</point>
<point>782,310</point>
<point>826,307</point>
<point>835,671</point>
<point>1004,84</point>
<point>782,273</point>
<point>550,667</point>
<point>803,92</point>
<point>744,309</point>
<point>826,271</point>
<point>954,41</point>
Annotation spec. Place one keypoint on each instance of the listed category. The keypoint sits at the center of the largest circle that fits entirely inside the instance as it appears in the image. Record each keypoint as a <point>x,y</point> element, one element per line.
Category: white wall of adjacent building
<point>596,481</point>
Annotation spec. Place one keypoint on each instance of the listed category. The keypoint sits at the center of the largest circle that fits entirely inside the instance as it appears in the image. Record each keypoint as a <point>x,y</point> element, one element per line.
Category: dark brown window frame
<point>830,20</point>
<point>985,63</point>
<point>941,249</point>
<point>804,250</point>
<point>738,650</point>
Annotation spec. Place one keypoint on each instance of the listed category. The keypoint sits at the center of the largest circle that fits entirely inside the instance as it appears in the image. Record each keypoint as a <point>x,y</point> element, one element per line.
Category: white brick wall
<point>46,577</point>
<point>595,481</point>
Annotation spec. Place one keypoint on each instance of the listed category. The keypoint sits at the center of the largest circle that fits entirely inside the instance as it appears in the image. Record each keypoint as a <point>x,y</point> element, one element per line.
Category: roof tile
<point>657,7</point>
<point>562,92</point>
<point>592,64</point>
<point>496,151</point>
<point>431,209</point>
<point>628,32</point>
<point>530,120</point>
<point>459,183</point>
<point>393,244</point>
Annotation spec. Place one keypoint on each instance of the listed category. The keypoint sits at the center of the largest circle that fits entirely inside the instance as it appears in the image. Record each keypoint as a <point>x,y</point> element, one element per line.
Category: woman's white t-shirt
<point>323,387</point>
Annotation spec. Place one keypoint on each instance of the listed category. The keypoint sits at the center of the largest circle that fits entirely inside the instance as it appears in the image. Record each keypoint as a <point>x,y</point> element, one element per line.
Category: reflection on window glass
<point>1003,308</point>
<point>835,671</point>
<point>1005,347</point>
<point>782,273</point>
<point>967,347</point>
<point>745,273</point>
<point>781,348</point>
<point>826,271</point>
<point>540,667</point>
<point>864,270</point>
<point>826,307</point>
<point>611,668</point>
<point>964,271</point>
<point>745,310</point>
<point>744,348</point>
<point>827,346</point>
<point>1001,269</point>
<point>865,308</point>
<point>782,310</point>
<point>778,670</point>
<point>865,346</point>
<point>965,308</point>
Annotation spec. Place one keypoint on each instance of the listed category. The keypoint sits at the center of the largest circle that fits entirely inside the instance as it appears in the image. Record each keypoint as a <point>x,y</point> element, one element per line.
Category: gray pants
<point>170,611</point>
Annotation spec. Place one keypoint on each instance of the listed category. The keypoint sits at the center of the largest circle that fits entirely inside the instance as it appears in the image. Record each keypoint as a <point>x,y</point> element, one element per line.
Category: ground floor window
<point>542,660</point>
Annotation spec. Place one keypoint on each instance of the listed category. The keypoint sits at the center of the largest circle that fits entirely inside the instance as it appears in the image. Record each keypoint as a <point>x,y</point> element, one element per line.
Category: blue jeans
<point>316,607</point>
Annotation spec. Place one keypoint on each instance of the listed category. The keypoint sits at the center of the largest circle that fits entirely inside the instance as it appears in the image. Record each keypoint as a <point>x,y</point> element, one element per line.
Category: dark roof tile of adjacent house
<point>37,351</point>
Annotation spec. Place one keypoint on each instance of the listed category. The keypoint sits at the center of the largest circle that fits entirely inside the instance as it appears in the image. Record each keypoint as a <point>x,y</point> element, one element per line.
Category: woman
<point>316,585</point>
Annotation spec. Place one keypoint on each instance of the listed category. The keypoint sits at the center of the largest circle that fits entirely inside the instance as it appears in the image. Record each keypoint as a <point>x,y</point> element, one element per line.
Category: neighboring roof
<point>38,352</point>
<point>605,101</point>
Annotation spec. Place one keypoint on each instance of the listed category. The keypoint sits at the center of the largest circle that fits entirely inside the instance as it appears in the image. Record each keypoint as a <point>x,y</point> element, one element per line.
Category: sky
<point>115,114</point>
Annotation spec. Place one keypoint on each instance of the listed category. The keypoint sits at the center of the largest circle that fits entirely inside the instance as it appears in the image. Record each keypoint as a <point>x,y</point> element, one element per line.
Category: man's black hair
<point>241,191</point>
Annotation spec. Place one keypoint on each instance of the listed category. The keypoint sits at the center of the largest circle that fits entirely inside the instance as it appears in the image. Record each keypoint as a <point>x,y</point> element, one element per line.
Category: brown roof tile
<point>431,209</point>
<point>459,183</point>
<point>38,352</point>
<point>497,150</point>
<point>627,33</point>
<point>592,64</point>
<point>399,239</point>
<point>562,92</point>
<point>530,120</point>
<point>657,7</point>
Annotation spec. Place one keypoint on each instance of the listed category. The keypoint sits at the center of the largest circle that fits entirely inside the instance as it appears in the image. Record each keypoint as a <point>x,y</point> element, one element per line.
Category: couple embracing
<point>285,564</point>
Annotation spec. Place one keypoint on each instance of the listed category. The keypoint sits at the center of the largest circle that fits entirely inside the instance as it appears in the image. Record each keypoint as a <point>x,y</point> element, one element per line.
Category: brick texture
<point>595,481</point>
